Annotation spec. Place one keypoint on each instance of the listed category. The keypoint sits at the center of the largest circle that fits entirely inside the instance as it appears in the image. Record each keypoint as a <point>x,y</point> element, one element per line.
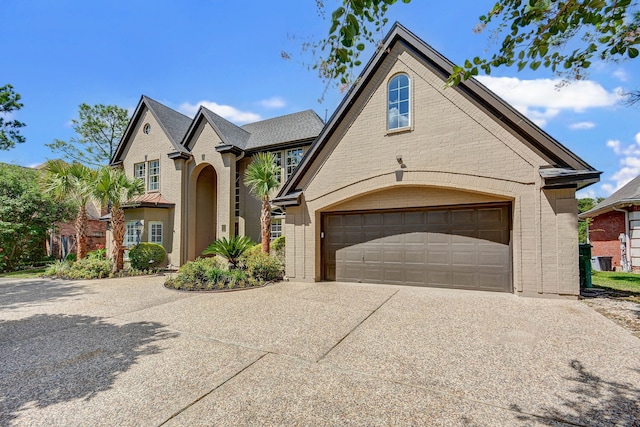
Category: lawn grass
<point>32,273</point>
<point>628,282</point>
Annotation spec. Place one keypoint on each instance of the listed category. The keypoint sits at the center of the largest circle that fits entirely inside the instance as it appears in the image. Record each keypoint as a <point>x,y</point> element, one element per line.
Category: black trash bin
<point>584,261</point>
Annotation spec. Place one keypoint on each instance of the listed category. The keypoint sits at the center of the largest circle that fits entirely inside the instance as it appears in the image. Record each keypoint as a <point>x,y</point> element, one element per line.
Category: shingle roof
<point>627,195</point>
<point>278,130</point>
<point>227,131</point>
<point>175,123</point>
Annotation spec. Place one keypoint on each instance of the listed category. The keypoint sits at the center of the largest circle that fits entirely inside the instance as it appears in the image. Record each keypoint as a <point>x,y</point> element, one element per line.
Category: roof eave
<point>228,148</point>
<point>176,155</point>
<point>291,199</point>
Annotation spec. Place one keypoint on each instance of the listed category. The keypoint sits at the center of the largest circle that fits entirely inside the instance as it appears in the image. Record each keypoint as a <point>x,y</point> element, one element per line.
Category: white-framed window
<point>155,232</point>
<point>140,172</point>
<point>130,235</point>
<point>276,228</point>
<point>277,160</point>
<point>146,129</point>
<point>398,113</point>
<point>293,158</point>
<point>154,175</point>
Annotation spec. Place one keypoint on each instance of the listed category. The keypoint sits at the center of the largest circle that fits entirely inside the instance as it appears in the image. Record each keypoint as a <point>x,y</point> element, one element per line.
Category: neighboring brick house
<point>193,171</point>
<point>614,227</point>
<point>63,240</point>
<point>414,183</point>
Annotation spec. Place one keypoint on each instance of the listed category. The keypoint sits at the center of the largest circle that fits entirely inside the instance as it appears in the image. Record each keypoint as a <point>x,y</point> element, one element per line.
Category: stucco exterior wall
<point>454,154</point>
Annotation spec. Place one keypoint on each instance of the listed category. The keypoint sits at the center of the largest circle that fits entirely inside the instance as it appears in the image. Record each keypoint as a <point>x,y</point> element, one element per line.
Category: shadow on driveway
<point>52,358</point>
<point>595,401</point>
<point>16,294</point>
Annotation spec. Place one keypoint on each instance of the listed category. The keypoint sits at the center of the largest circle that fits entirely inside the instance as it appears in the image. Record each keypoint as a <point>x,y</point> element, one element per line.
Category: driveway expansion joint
<point>212,390</point>
<point>356,327</point>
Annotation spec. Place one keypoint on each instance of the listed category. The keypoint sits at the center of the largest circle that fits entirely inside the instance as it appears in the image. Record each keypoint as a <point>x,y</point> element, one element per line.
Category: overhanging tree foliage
<point>99,129</point>
<point>26,215</point>
<point>564,36</point>
<point>9,129</point>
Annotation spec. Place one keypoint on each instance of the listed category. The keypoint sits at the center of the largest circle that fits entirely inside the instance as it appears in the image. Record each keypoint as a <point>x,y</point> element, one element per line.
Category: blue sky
<point>227,55</point>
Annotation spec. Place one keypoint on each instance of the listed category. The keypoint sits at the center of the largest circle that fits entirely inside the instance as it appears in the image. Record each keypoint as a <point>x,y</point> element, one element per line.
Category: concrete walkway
<point>129,352</point>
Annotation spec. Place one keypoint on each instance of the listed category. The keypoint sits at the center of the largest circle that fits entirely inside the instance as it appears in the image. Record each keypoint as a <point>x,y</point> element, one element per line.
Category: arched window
<point>398,106</point>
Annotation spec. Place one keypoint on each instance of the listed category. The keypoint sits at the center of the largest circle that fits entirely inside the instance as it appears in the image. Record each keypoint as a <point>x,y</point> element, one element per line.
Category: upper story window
<point>154,175</point>
<point>146,129</point>
<point>399,102</point>
<point>293,158</point>
<point>277,156</point>
<point>139,171</point>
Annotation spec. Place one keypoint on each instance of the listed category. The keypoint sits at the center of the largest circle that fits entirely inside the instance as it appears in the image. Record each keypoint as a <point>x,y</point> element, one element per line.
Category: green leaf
<point>633,52</point>
<point>534,65</point>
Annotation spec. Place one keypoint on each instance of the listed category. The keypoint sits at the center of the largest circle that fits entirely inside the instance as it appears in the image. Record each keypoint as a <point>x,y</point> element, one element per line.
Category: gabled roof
<point>173,124</point>
<point>628,195</point>
<point>230,134</point>
<point>290,128</point>
<point>530,134</point>
<point>300,126</point>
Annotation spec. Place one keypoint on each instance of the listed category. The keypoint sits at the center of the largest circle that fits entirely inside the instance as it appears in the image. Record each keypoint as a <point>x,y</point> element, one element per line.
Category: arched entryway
<point>205,210</point>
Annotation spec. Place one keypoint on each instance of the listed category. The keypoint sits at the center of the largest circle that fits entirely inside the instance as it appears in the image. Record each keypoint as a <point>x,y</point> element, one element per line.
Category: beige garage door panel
<point>455,248</point>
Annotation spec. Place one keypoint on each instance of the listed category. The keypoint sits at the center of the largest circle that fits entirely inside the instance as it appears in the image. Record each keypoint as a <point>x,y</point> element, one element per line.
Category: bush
<point>209,274</point>
<point>231,249</point>
<point>278,244</point>
<point>278,248</point>
<point>146,256</point>
<point>83,269</point>
<point>255,249</point>
<point>97,254</point>
<point>263,267</point>
<point>58,269</point>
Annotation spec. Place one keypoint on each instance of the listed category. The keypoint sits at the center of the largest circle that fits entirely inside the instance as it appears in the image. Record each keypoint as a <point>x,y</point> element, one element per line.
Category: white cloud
<point>582,125</point>
<point>621,75</point>
<point>629,163</point>
<point>273,102</point>
<point>228,112</point>
<point>543,99</point>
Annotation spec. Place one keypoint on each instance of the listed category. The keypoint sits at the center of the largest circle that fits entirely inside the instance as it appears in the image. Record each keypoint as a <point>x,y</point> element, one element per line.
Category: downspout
<point>627,264</point>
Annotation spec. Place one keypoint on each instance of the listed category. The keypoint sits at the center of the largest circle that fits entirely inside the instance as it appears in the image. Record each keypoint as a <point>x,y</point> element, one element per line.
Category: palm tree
<point>115,187</point>
<point>262,179</point>
<point>72,182</point>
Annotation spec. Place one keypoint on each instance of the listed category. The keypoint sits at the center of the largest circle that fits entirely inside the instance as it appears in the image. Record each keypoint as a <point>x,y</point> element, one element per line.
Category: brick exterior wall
<point>96,237</point>
<point>603,235</point>
<point>454,154</point>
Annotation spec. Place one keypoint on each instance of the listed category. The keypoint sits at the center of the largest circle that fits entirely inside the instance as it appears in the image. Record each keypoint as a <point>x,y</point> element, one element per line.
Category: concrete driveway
<point>129,352</point>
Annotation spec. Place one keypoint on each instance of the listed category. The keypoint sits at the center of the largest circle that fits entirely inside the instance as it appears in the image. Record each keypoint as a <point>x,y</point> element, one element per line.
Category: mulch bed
<point>620,306</point>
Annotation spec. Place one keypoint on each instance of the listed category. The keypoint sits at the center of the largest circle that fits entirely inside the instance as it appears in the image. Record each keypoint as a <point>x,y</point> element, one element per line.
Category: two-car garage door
<point>463,247</point>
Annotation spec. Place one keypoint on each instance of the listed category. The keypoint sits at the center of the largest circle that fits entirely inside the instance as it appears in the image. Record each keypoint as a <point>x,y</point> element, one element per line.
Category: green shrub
<point>58,269</point>
<point>263,267</point>
<point>71,257</point>
<point>146,256</point>
<point>97,254</point>
<point>278,244</point>
<point>255,249</point>
<point>230,249</point>
<point>210,274</point>
<point>89,269</point>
